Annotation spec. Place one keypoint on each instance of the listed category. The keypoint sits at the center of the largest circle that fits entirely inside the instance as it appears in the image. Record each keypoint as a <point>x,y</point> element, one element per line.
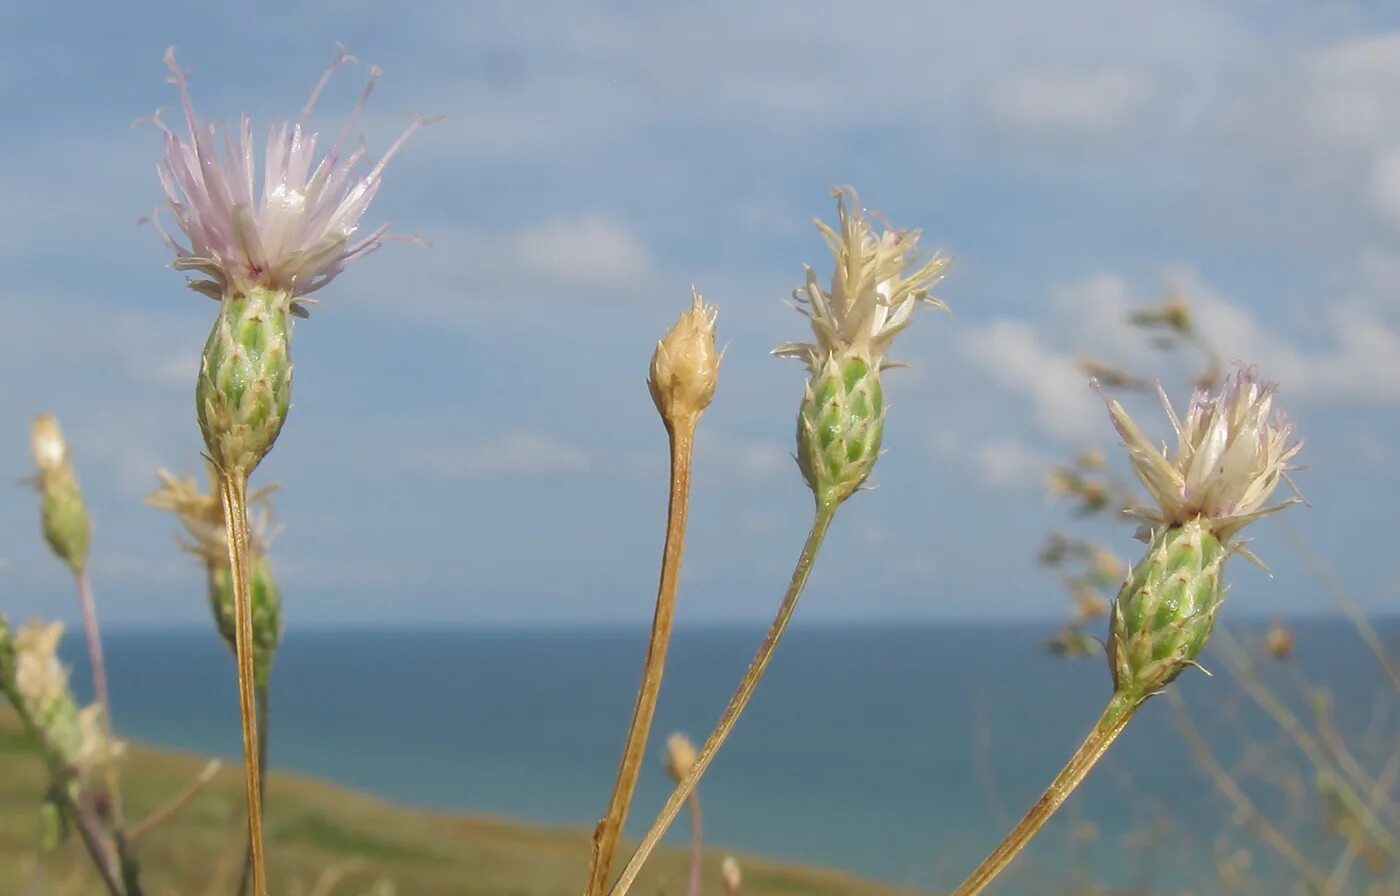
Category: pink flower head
<point>1231,455</point>
<point>297,236</point>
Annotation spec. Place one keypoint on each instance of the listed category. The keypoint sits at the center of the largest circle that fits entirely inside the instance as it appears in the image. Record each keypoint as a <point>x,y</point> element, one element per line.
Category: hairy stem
<point>609,829</point>
<point>233,487</point>
<point>1115,718</point>
<point>820,524</point>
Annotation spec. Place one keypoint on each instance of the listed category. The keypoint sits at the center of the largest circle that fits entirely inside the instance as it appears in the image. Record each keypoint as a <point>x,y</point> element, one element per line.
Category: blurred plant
<point>731,876</point>
<point>679,759</point>
<point>260,259</point>
<point>875,287</point>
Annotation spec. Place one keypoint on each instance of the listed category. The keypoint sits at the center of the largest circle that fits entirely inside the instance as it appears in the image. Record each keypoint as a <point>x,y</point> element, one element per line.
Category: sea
<point>901,752</point>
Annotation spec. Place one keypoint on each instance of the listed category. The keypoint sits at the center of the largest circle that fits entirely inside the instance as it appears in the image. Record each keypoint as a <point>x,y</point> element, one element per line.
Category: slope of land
<point>326,840</point>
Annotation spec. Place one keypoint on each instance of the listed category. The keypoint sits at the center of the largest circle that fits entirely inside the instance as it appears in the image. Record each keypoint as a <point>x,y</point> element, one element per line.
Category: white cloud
<point>1015,356</point>
<point>590,253</point>
<point>1084,104</point>
<point>1352,355</point>
<point>1008,463</point>
<point>508,455</point>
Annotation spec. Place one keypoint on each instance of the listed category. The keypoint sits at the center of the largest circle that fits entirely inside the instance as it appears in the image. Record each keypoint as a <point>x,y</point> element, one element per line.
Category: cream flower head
<point>39,675</point>
<point>296,237</point>
<point>1231,455</point>
<point>874,289</point>
<point>679,756</point>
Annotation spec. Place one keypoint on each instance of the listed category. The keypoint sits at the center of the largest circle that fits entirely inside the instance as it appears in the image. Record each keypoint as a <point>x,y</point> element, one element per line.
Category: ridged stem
<point>260,697</point>
<point>609,829</point>
<point>1115,718</point>
<point>233,488</point>
<point>820,524</point>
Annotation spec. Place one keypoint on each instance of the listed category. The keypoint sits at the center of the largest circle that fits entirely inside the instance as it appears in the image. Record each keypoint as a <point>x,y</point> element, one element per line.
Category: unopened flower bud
<point>1166,609</point>
<point>839,427</point>
<point>731,876</point>
<point>266,612</point>
<point>685,365</point>
<point>679,756</point>
<point>64,517</point>
<point>244,388</point>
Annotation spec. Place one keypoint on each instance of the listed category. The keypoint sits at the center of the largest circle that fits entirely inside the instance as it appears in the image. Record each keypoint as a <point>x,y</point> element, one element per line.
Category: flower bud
<point>731,876</point>
<point>266,611</point>
<point>685,365</point>
<point>64,517</point>
<point>679,756</point>
<point>1166,609</point>
<point>839,427</point>
<point>244,388</point>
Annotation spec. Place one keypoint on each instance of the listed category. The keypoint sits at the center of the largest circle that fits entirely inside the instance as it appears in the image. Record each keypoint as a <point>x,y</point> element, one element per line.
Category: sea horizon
<point>894,751</point>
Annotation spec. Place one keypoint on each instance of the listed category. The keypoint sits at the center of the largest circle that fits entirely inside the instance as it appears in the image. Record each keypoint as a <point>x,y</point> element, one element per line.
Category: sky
<point>472,442</point>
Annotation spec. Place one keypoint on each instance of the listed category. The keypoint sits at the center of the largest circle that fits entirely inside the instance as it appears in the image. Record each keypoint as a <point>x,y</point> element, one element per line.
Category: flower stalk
<point>737,703</point>
<point>684,369</point>
<point>1116,716</point>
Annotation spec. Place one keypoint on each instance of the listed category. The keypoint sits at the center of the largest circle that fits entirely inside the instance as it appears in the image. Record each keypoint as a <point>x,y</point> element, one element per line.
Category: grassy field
<point>329,841</point>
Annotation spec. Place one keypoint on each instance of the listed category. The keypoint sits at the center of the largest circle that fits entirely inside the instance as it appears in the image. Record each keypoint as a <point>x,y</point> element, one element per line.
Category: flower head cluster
<point>874,289</point>
<point>296,236</point>
<point>1232,452</point>
<point>202,515</point>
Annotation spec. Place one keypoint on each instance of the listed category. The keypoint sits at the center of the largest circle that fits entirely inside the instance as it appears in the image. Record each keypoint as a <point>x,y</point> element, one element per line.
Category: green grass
<point>315,828</point>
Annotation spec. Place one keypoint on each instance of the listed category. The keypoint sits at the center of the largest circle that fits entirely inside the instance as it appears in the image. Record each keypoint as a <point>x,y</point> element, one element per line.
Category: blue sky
<point>472,441</point>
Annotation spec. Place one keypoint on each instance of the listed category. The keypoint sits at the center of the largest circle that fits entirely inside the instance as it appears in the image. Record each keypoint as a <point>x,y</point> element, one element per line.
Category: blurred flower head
<point>39,676</point>
<point>202,515</point>
<point>874,289</point>
<point>293,238</point>
<point>47,445</point>
<point>679,756</point>
<point>731,876</point>
<point>1232,452</point>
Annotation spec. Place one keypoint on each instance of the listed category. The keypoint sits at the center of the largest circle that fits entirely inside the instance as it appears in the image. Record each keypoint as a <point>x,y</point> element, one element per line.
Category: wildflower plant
<point>1232,452</point>
<point>260,254</point>
<point>877,283</point>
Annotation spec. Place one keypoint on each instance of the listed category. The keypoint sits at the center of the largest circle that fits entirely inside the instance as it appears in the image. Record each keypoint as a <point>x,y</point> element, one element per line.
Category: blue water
<point>860,751</point>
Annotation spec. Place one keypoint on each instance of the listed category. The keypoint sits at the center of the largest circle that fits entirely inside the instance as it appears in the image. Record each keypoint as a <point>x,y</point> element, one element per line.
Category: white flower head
<point>874,289</point>
<point>297,235</point>
<point>1231,455</point>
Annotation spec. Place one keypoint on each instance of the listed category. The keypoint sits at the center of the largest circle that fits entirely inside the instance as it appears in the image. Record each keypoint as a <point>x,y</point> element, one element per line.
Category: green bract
<point>839,427</point>
<point>1166,609</point>
<point>245,379</point>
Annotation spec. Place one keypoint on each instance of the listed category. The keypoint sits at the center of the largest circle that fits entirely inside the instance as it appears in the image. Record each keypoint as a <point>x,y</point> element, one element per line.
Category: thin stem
<point>92,842</point>
<point>820,524</point>
<point>1238,662</point>
<point>98,665</point>
<point>697,845</point>
<point>234,492</point>
<point>609,829</point>
<point>260,695</point>
<point>1115,718</point>
<point>1338,878</point>
<point>1333,586</point>
<point>168,810</point>
<point>1236,795</point>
